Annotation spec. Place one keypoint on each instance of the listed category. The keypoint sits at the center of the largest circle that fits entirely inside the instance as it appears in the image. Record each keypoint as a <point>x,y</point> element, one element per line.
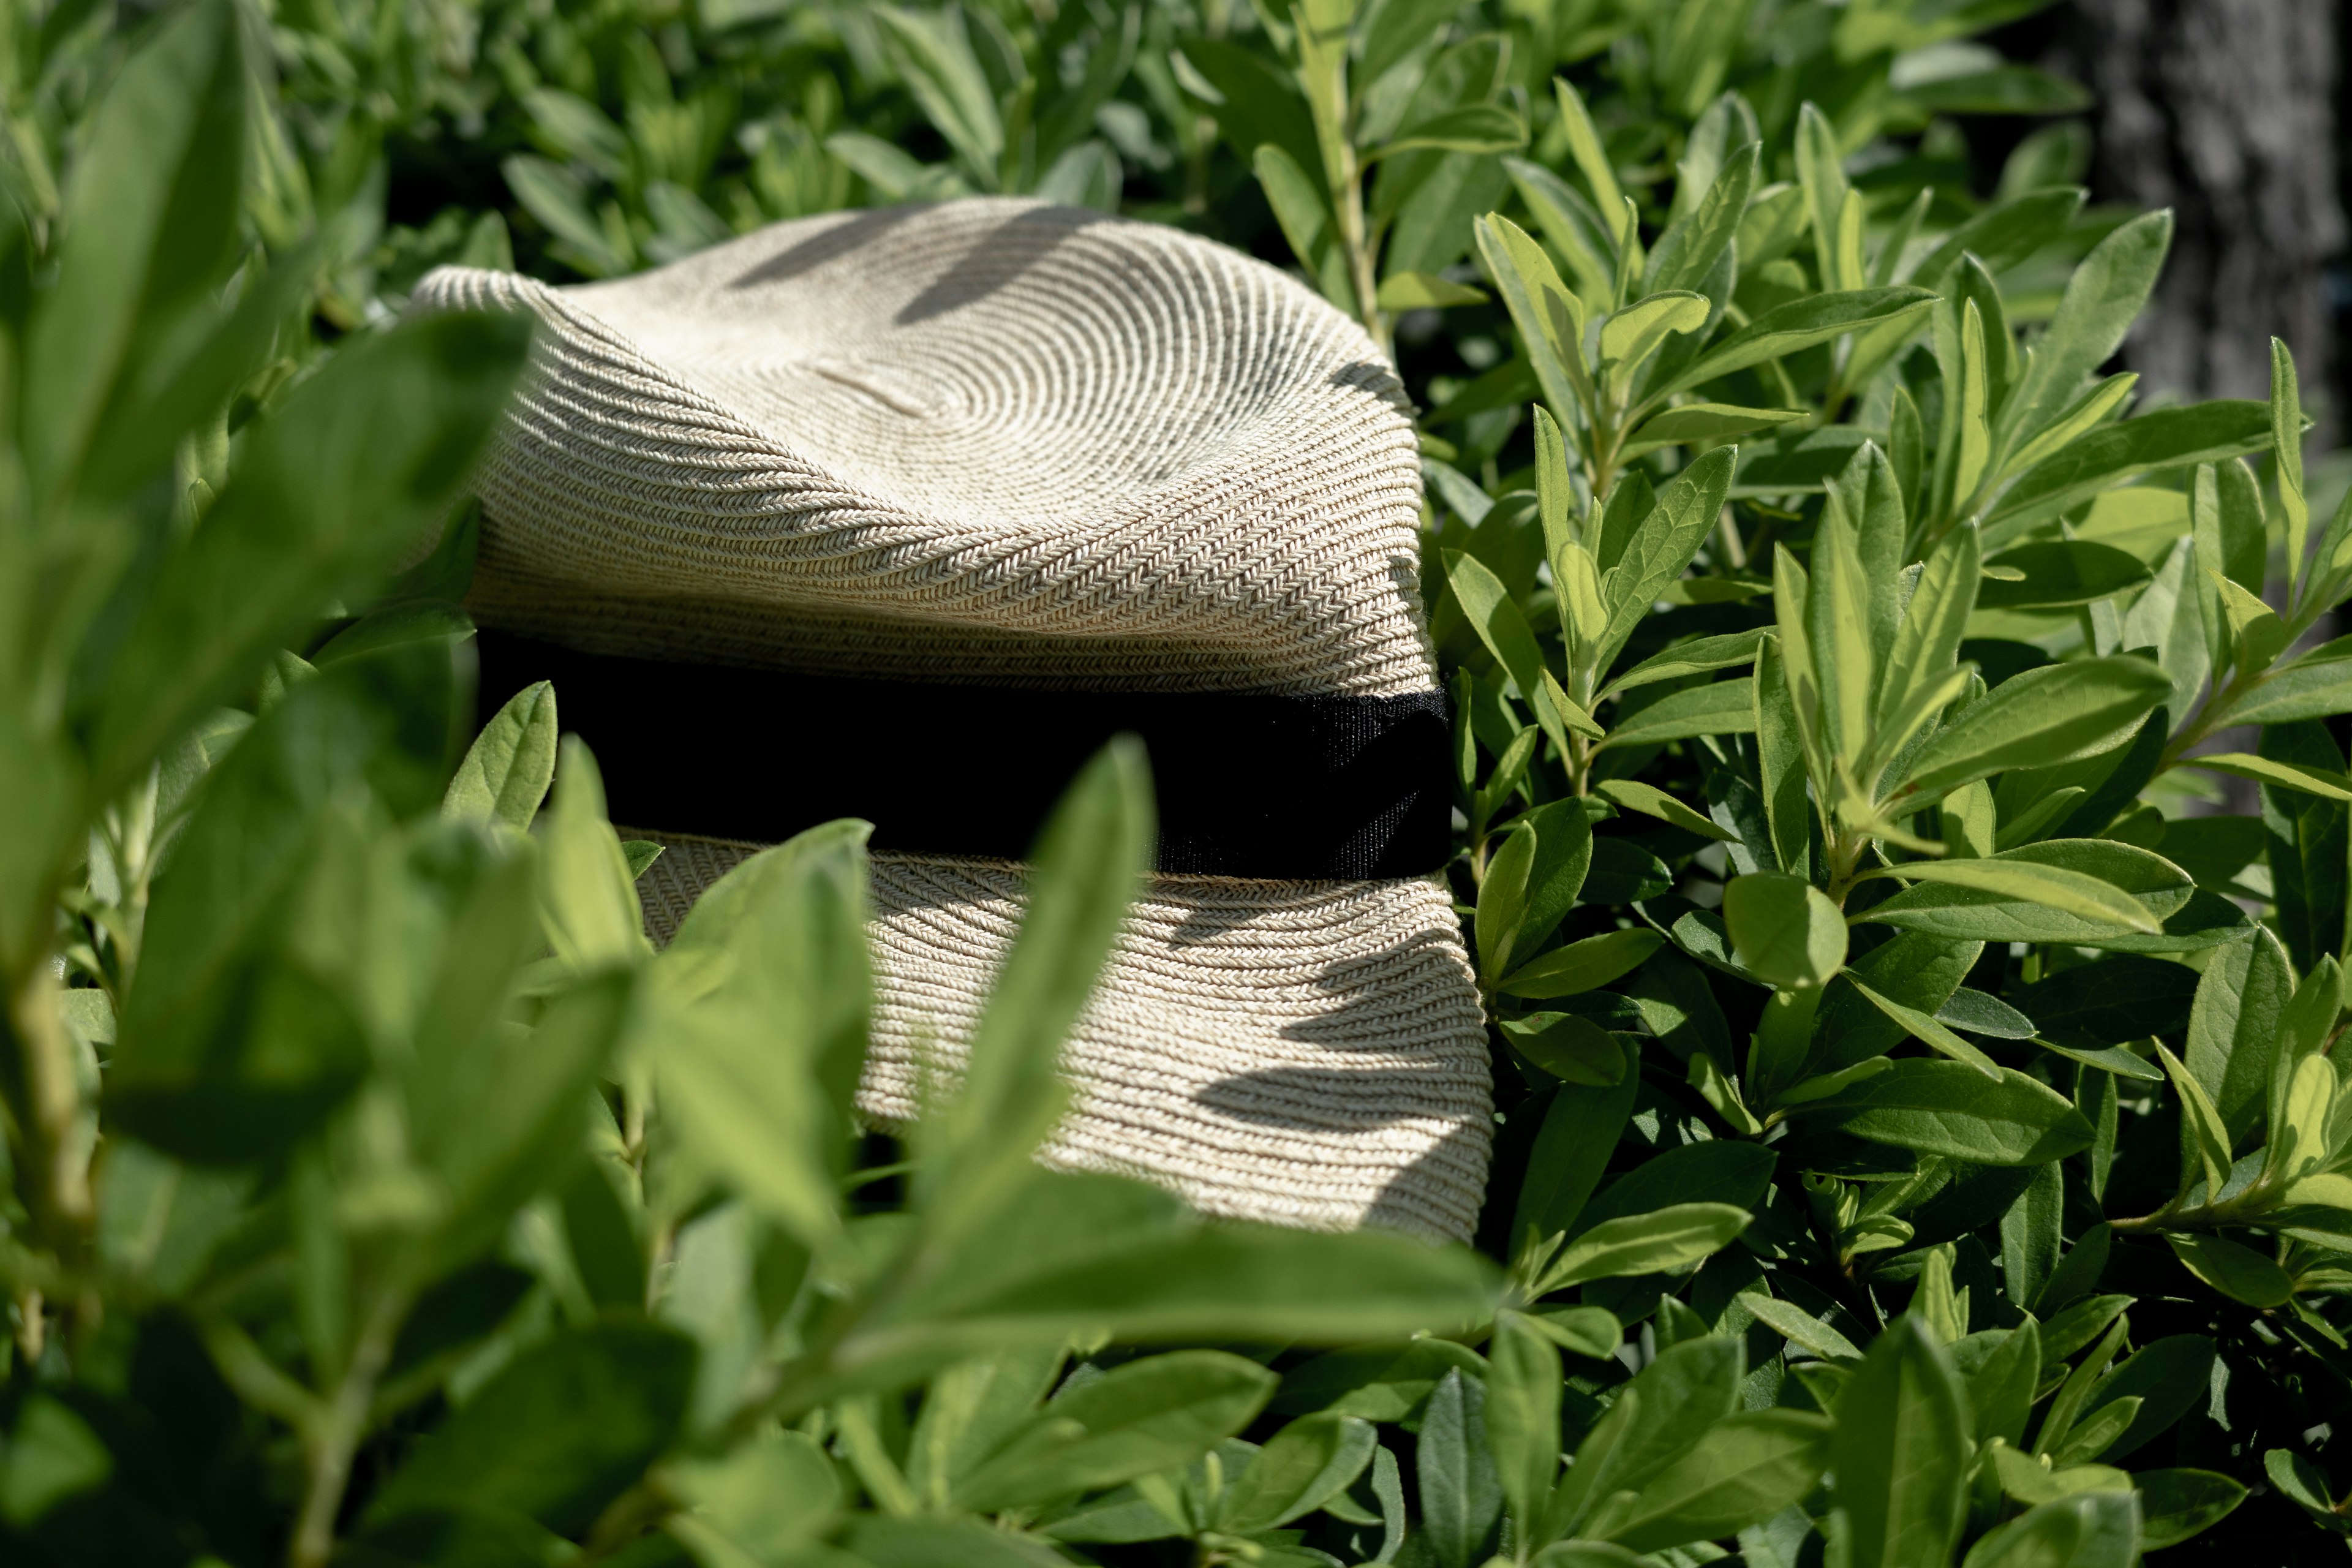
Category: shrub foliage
<point>1921,1138</point>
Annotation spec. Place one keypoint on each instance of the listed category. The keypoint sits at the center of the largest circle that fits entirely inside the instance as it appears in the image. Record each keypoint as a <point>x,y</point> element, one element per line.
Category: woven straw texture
<point>1001,443</point>
<point>988,440</point>
<point>1303,1053</point>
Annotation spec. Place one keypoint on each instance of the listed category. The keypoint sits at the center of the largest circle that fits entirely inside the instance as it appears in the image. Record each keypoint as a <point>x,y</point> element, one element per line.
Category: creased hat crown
<point>989,441</point>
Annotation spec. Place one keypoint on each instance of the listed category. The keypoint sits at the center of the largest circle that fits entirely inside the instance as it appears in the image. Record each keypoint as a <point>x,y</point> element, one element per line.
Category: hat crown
<point>989,439</point>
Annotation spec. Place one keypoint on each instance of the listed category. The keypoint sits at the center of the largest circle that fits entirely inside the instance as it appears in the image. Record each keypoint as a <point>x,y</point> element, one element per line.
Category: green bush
<point>1920,1136</point>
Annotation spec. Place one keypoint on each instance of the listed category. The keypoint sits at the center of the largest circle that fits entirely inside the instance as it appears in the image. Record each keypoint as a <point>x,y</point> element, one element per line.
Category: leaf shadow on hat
<point>994,258</point>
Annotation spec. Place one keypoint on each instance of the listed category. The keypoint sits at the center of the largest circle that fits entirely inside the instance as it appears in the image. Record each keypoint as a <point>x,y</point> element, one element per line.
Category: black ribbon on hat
<point>1270,787</point>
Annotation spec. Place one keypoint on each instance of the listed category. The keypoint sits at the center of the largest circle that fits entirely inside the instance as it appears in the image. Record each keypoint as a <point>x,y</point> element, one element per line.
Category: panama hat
<point>898,514</point>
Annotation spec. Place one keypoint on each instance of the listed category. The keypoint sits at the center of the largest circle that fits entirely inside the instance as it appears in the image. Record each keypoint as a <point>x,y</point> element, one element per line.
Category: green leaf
<point>1461,1495</point>
<point>2116,454</point>
<point>1401,291</point>
<point>148,231</point>
<point>1822,173</point>
<point>2166,1377</point>
<point>2102,298</point>
<point>1152,1415</point>
<point>1532,882</point>
<point>232,1044</point>
<point>1302,211</point>
<point>1800,324</point>
<point>592,912</point>
<point>2089,1530</point>
<point>1695,656</point>
<point>2305,1482</point>
<point>1650,801</point>
<point>933,57</point>
<point>1701,424</point>
<point>1571,1048</point>
<point>501,1123</point>
<point>1575,228</point>
<point>1487,605</point>
<point>565,1428</point>
<point>1071,1255</point>
<point>1629,336</point>
<point>1591,156</point>
<point>758,1068</point>
<point>1663,545</point>
<point>1930,1032</point>
<point>1522,1414</point>
<point>54,1457</point>
<point>1593,1333</point>
<point>1375,1382</point>
<point>2203,1132</point>
<point>558,198</point>
<point>881,1540</point>
<point>1090,861</point>
<point>1900,1448</point>
<point>2324,782</point>
<point>2059,574</point>
<point>2237,1020</point>
<point>1694,243</point>
<point>1549,318</point>
<point>440,1535</point>
<point>1800,1326</point>
<point>1685,1390</point>
<point>2287,455</point>
<point>1581,966</point>
<point>1784,929</point>
<point>1467,128</point>
<point>1301,1468</point>
<point>768,1498</point>
<point>2316,685</point>
<point>2238,1272</point>
<point>2177,1504</point>
<point>1780,761</point>
<point>2043,881</point>
<point>1951,1108</point>
<point>1717,708</point>
<point>2058,713</point>
<point>2031,1236</point>
<point>1653,1243</point>
<point>363,458</point>
<point>1743,1471</point>
<point>508,768</point>
<point>1573,1146</point>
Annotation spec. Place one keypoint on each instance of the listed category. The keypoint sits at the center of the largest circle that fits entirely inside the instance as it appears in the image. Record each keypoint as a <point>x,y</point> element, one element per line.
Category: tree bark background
<point>2227,112</point>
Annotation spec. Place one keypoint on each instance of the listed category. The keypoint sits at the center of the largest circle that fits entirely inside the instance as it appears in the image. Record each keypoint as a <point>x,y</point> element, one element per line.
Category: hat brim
<point>1308,1054</point>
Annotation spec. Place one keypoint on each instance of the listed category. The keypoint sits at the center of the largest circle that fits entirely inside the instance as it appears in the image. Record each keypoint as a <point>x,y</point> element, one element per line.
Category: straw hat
<point>898,514</point>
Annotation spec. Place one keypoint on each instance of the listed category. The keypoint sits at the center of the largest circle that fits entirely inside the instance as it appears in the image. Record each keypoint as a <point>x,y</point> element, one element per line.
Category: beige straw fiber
<point>997,443</point>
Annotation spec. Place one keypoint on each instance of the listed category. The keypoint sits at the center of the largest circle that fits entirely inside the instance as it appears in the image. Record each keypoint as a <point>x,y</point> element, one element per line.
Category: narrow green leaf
<point>1662,547</point>
<point>2052,886</point>
<point>1091,860</point>
<point>2057,713</point>
<point>1951,1108</point>
<point>1652,1242</point>
<point>510,765</point>
<point>1800,324</point>
<point>1152,1415</point>
<point>1522,1413</point>
<point>1900,1450</point>
<point>2238,1272</point>
<point>1718,708</point>
<point>1927,1031</point>
<point>1651,801</point>
<point>1583,965</point>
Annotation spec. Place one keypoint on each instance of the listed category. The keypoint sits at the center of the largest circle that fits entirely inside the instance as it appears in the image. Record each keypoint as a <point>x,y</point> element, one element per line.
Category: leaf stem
<point>52,1150</point>
<point>335,1432</point>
